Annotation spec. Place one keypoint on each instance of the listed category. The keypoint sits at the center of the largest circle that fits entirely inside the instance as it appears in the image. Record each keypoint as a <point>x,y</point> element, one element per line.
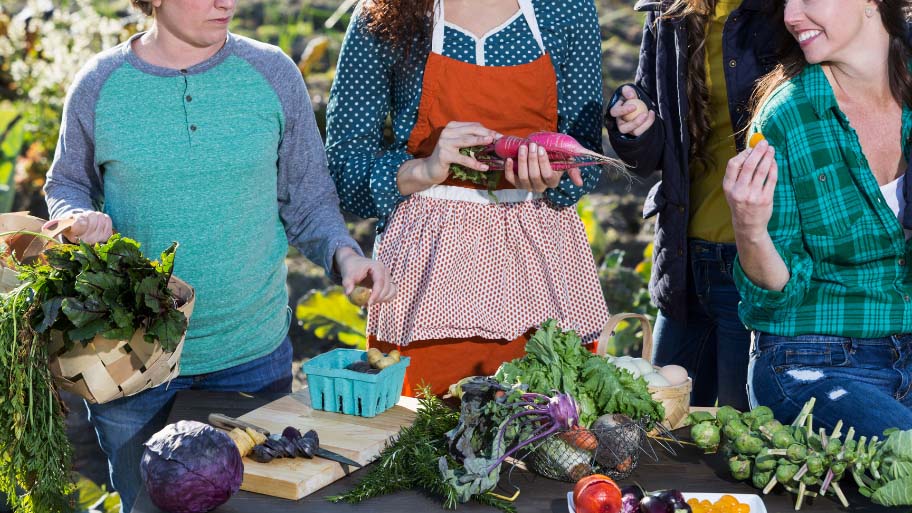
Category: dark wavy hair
<point>696,14</point>
<point>893,14</point>
<point>400,23</point>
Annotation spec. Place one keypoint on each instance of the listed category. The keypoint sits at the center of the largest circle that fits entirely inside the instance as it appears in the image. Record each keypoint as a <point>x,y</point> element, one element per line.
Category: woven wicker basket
<point>675,399</point>
<point>24,247</point>
<point>104,369</point>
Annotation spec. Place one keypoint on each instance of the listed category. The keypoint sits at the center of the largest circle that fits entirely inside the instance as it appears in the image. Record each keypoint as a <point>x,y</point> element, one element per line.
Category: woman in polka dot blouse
<point>476,274</point>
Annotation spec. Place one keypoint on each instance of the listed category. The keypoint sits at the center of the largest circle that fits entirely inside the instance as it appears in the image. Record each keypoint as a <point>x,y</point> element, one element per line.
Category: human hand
<point>533,170</point>
<point>358,270</point>
<point>454,137</point>
<point>631,114</point>
<point>749,183</point>
<point>89,227</point>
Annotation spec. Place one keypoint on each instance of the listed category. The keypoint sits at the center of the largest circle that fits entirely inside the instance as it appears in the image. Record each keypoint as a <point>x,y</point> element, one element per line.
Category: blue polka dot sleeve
<point>579,69</point>
<point>363,166</point>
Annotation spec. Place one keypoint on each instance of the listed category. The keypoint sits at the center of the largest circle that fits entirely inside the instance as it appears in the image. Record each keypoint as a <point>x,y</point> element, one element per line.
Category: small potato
<point>385,362</point>
<point>640,108</point>
<point>394,354</point>
<point>359,295</point>
<point>373,356</point>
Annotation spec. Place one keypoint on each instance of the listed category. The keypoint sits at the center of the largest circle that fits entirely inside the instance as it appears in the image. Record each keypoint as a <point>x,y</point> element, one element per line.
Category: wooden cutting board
<point>358,438</point>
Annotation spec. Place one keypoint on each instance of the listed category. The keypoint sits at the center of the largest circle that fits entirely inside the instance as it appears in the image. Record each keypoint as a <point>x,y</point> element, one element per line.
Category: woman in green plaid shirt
<point>818,208</point>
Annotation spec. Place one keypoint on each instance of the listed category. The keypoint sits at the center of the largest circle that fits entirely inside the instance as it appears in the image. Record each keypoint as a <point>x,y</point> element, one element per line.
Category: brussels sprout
<point>771,427</point>
<point>833,447</point>
<point>726,414</point>
<point>740,467</point>
<point>815,464</point>
<point>764,460</point>
<point>706,435</point>
<point>735,428</point>
<point>782,439</point>
<point>785,473</point>
<point>761,478</point>
<point>748,444</point>
<point>796,453</point>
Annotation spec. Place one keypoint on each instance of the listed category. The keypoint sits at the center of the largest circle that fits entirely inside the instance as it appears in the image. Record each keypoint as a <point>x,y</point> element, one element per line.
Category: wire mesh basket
<point>571,455</point>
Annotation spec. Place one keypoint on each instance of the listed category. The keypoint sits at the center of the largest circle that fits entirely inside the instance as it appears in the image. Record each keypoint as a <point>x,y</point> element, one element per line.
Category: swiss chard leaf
<point>84,312</point>
<point>88,331</point>
<point>50,309</point>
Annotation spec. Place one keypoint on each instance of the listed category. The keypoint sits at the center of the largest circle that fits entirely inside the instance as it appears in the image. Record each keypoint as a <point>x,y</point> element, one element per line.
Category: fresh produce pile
<point>557,360</point>
<point>376,361</point>
<point>548,398</point>
<point>564,152</point>
<point>190,467</point>
<point>77,292</point>
<point>799,458</point>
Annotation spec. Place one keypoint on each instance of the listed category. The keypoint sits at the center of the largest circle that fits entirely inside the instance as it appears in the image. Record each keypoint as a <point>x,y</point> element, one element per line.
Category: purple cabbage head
<point>190,467</point>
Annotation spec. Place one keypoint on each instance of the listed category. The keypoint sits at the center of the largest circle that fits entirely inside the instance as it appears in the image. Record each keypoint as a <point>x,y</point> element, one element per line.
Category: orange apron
<point>512,100</point>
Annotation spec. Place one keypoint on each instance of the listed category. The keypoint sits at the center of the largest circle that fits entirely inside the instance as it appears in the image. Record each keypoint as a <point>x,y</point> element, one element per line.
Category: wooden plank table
<point>687,470</point>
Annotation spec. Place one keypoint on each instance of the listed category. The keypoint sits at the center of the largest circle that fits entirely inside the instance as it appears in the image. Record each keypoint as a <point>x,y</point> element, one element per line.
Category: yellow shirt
<point>710,217</point>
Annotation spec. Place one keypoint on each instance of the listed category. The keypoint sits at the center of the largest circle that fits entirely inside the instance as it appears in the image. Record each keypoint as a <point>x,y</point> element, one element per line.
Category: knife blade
<point>329,455</point>
<point>226,422</point>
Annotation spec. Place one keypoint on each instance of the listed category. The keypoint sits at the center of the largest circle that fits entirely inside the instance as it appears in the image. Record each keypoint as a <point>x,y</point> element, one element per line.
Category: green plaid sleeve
<point>759,305</point>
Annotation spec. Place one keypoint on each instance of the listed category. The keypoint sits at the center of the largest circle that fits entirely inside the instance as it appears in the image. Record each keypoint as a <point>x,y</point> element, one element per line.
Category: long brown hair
<point>400,23</point>
<point>696,14</point>
<point>893,14</point>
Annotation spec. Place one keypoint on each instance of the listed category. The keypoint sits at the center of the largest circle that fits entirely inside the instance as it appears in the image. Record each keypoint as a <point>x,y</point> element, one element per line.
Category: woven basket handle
<point>57,227</point>
<point>608,332</point>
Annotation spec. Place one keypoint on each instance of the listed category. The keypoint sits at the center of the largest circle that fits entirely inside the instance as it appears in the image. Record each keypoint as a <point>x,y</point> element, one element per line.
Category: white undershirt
<point>893,194</point>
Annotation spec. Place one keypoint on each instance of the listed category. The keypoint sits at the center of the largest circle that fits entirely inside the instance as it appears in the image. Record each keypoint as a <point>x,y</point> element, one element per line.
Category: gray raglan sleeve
<point>74,182</point>
<point>308,202</point>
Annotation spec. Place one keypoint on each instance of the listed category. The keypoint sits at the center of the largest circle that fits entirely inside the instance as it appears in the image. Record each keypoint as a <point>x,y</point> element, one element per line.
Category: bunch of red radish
<point>564,152</point>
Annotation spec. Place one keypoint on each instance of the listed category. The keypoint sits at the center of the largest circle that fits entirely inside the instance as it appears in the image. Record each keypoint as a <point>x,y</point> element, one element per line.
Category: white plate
<point>754,501</point>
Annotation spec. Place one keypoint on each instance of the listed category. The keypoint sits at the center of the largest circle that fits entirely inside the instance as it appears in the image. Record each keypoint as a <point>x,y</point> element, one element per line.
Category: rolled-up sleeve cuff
<point>758,297</point>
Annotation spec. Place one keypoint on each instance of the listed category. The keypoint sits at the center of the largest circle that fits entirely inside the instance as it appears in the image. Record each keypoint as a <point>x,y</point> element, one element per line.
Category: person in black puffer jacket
<point>699,62</point>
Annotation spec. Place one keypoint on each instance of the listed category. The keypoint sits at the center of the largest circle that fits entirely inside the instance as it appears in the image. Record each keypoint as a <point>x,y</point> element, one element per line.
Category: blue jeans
<point>124,425</point>
<point>712,343</point>
<point>865,382</point>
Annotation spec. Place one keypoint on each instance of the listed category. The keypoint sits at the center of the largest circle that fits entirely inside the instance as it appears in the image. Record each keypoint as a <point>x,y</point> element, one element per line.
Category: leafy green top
<point>108,289</point>
<point>557,360</point>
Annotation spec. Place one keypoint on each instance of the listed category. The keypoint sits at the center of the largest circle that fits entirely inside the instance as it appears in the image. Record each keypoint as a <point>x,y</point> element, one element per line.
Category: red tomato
<point>596,494</point>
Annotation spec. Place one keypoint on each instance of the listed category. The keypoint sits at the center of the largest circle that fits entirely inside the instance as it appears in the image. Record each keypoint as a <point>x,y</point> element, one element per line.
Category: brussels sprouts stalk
<point>802,488</point>
<point>769,487</point>
<point>803,470</point>
<point>805,411</point>
<point>842,497</point>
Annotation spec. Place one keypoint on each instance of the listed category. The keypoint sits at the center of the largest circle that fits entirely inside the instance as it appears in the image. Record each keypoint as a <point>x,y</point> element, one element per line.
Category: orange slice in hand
<point>755,140</point>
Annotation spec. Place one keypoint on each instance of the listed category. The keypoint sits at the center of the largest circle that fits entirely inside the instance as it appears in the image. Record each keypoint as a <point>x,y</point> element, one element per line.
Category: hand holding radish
<point>533,170</point>
<point>625,113</point>
<point>358,270</point>
<point>454,137</point>
<point>750,179</point>
<point>89,227</point>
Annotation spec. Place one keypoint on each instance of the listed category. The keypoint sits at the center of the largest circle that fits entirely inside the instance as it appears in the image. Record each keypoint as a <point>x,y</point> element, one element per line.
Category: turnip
<point>550,414</point>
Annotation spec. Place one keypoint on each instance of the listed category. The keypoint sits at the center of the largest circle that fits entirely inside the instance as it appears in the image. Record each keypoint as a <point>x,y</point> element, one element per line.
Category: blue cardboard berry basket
<point>339,390</point>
